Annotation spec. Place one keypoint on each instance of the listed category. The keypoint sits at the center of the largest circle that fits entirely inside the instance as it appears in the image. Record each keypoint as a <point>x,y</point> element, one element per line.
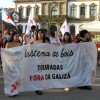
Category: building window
<point>72,30</point>
<point>53,11</point>
<point>73,11</point>
<point>21,12</point>
<point>37,10</point>
<point>82,11</point>
<point>92,10</point>
<point>28,11</point>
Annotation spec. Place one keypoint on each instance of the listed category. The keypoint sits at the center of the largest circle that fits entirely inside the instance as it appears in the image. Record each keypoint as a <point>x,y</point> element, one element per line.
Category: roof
<point>9,9</point>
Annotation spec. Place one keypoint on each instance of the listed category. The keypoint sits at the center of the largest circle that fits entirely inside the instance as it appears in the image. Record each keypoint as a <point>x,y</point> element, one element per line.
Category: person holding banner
<point>13,41</point>
<point>67,38</point>
<point>40,38</point>
<point>53,39</point>
<point>28,35</point>
<point>12,90</point>
<point>83,38</point>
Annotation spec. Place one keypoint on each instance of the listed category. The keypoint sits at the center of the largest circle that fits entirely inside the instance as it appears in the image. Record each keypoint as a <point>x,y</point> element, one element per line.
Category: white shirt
<point>29,36</point>
<point>54,40</point>
<point>5,37</point>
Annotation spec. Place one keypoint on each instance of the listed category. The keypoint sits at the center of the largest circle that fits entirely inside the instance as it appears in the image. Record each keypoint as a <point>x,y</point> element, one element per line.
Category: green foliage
<point>51,19</point>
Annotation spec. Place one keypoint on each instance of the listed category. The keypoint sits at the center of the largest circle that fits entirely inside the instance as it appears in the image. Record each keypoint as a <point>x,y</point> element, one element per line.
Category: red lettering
<point>42,77</point>
<point>31,77</point>
<point>36,78</point>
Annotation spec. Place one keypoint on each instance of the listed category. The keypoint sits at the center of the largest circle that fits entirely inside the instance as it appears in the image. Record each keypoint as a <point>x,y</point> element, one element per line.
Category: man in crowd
<point>29,35</point>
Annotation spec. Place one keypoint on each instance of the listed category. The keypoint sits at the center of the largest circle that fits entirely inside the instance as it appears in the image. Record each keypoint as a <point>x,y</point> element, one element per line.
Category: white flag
<point>30,22</point>
<point>6,17</point>
<point>64,28</point>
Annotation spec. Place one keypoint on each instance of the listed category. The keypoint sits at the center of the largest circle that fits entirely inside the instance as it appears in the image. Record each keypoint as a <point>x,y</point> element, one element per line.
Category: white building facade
<point>24,11</point>
<point>80,13</point>
<point>51,9</point>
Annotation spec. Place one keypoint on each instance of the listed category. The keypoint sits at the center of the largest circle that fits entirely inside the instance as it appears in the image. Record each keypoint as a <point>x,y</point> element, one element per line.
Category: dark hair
<point>45,30</point>
<point>0,32</point>
<point>82,33</point>
<point>33,27</point>
<point>69,40</point>
<point>12,36</point>
<point>52,33</point>
<point>43,35</point>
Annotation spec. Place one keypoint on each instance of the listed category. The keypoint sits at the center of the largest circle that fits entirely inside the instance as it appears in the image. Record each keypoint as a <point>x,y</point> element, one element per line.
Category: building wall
<point>63,8</point>
<point>77,20</point>
<point>45,7</point>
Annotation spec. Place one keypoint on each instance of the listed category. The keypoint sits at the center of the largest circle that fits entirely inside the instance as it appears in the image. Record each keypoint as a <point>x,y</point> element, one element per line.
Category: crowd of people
<point>8,40</point>
<point>13,39</point>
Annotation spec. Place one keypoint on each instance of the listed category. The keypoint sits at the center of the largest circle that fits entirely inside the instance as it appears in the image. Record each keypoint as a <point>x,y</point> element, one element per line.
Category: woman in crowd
<point>59,35</point>
<point>53,39</point>
<point>67,38</point>
<point>77,38</point>
<point>40,38</point>
<point>13,41</point>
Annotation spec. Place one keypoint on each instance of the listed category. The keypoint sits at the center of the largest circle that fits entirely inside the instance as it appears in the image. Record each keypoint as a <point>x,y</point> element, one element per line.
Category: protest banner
<point>43,66</point>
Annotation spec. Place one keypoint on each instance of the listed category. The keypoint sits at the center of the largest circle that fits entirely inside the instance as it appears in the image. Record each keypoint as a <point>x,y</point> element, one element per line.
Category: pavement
<point>57,94</point>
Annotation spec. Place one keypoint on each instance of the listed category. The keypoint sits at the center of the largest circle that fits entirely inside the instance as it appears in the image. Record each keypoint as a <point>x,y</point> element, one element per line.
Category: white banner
<point>44,66</point>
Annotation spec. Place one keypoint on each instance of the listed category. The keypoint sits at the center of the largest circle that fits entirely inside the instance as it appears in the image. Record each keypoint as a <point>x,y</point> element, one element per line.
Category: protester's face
<point>59,35</point>
<point>66,37</point>
<point>40,35</point>
<point>87,35</point>
<point>16,37</point>
<point>33,30</point>
<point>6,31</point>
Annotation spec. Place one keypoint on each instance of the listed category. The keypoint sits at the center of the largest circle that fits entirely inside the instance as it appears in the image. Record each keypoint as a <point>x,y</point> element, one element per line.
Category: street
<point>57,94</point>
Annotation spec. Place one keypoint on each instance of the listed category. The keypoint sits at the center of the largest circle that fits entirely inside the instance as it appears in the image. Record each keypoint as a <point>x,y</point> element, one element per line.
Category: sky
<point>7,4</point>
